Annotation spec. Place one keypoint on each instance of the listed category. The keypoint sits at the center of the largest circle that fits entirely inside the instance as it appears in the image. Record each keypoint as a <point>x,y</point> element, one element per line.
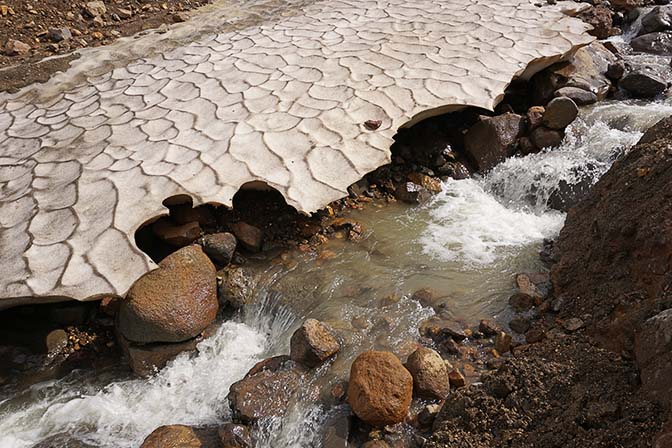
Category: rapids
<point>466,243</point>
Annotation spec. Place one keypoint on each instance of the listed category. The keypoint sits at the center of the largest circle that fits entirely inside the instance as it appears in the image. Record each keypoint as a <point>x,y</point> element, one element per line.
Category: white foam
<point>122,414</point>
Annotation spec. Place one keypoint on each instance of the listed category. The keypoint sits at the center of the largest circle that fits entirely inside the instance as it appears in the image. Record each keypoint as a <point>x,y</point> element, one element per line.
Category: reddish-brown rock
<point>173,303</point>
<point>492,140</point>
<point>180,436</point>
<point>313,343</point>
<point>380,389</point>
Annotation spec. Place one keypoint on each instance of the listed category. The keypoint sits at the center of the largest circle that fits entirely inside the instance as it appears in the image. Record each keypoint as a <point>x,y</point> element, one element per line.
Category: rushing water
<point>466,244</point>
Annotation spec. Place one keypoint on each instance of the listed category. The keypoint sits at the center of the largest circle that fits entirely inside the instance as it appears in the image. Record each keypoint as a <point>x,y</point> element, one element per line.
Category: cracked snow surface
<point>282,101</point>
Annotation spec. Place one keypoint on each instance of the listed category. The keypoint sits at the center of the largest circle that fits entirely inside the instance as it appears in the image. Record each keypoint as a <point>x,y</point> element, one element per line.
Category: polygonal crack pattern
<point>283,102</point>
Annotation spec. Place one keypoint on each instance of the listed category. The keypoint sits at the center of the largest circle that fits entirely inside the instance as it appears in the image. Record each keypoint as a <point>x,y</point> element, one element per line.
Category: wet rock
<point>489,327</point>
<point>493,139</point>
<point>15,47</point>
<point>560,112</point>
<point>56,341</point>
<point>219,247</point>
<point>616,70</point>
<point>336,432</point>
<point>173,303</point>
<point>110,305</point>
<point>95,9</point>
<point>427,415</point>
<point>586,70</point>
<point>176,235</point>
<point>567,195</point>
<point>412,193</point>
<point>380,389</point>
<point>579,96</point>
<point>236,286</point>
<point>64,440</point>
<point>430,376</point>
<point>178,436</point>
<point>438,328</point>
<point>535,116</point>
<point>313,343</point>
<point>232,435</point>
<point>503,342</point>
<point>653,353</point>
<point>455,170</point>
<point>376,444</point>
<point>526,146</point>
<point>265,392</point>
<point>520,324</point>
<point>59,34</point>
<point>655,43</point>
<point>147,359</point>
<point>535,334</point>
<point>527,286</point>
<point>600,18</point>
<point>520,302</point>
<point>431,299</point>
<point>250,237</point>
<point>429,183</point>
<point>542,137</point>
<point>658,19</point>
<point>456,379</point>
<point>643,83</point>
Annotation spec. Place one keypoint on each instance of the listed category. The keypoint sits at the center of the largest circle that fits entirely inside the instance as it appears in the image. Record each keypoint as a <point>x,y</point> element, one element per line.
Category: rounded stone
<point>560,112</point>
<point>172,436</point>
<point>430,375</point>
<point>380,389</point>
<point>219,247</point>
<point>173,303</point>
<point>313,343</point>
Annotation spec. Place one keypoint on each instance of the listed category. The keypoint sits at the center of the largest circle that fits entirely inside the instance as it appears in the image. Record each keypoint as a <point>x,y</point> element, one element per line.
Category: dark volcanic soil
<point>30,22</point>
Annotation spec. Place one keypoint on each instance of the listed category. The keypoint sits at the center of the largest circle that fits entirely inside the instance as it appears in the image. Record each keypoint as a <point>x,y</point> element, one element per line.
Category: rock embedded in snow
<point>429,372</point>
<point>313,343</point>
<point>380,389</point>
<point>560,112</point>
<point>173,303</point>
<point>492,140</point>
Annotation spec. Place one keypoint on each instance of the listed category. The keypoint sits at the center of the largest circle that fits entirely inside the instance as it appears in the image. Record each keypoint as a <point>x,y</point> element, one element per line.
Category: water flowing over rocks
<point>164,124</point>
<point>380,389</point>
<point>173,303</point>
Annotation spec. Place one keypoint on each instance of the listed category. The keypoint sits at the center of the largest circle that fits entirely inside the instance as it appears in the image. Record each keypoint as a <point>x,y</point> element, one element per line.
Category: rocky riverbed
<point>504,282</point>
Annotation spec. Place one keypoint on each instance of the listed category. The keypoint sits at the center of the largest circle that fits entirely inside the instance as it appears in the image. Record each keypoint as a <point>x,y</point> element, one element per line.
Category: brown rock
<point>521,302</point>
<point>492,140</point>
<point>600,18</point>
<point>535,335</point>
<point>265,393</point>
<point>175,436</point>
<point>232,435</point>
<point>572,324</point>
<point>380,388</point>
<point>219,247</point>
<point>560,112</point>
<point>236,286</point>
<point>176,235</point>
<point>535,116</point>
<point>16,47</point>
<point>432,185</point>
<point>520,324</point>
<point>147,359</point>
<point>503,342</point>
<point>250,237</point>
<point>456,379</point>
<point>430,376</point>
<point>173,303</point>
<point>439,328</point>
<point>313,343</point>
<point>580,96</point>
<point>527,286</point>
<point>56,341</point>
<point>542,137</point>
<point>489,327</point>
<point>429,298</point>
<point>412,193</point>
<point>653,352</point>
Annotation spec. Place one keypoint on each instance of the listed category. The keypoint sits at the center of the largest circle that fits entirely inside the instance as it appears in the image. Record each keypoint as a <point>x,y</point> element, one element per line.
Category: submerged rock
<point>380,389</point>
<point>173,303</point>
<point>313,343</point>
<point>429,372</point>
<point>492,140</point>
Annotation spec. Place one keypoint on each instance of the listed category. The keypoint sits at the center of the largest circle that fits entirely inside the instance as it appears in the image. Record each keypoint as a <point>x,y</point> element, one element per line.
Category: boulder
<point>586,70</point>
<point>412,193</point>
<point>600,18</point>
<point>173,303</point>
<point>180,436</point>
<point>616,70</point>
<point>249,236</point>
<point>266,391</point>
<point>236,286</point>
<point>429,372</point>
<point>313,343</point>
<point>380,389</point>
<point>543,137</point>
<point>643,83</point>
<point>232,435</point>
<point>219,247</point>
<point>658,19</point>
<point>580,96</point>
<point>653,352</point>
<point>560,113</point>
<point>655,43</point>
<point>492,139</point>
